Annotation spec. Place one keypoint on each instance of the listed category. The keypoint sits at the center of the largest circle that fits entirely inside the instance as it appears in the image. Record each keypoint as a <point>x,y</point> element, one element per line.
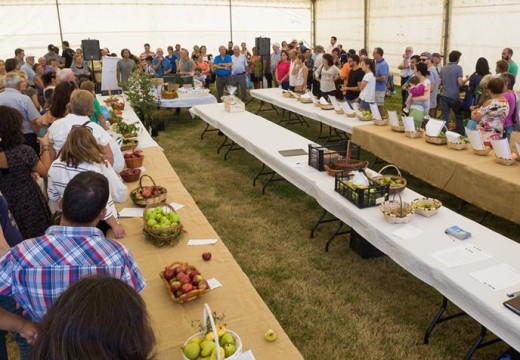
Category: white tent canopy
<point>474,27</point>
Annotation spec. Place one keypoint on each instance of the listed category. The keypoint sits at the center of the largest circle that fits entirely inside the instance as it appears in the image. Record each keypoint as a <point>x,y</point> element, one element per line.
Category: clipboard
<point>292,152</point>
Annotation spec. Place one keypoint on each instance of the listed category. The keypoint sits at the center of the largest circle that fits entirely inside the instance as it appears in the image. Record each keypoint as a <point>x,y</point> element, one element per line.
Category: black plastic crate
<point>362,247</point>
<point>370,196</point>
<point>325,155</point>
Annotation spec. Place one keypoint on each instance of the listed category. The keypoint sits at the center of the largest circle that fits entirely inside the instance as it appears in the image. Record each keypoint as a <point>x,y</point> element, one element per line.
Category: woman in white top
<point>367,85</point>
<point>81,106</point>
<point>301,72</point>
<point>327,73</point>
<point>81,153</point>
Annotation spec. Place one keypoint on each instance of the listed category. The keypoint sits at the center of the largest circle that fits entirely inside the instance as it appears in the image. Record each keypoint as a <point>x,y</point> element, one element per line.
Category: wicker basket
<point>436,140</point>
<point>502,161</point>
<point>399,128</point>
<point>350,165</point>
<point>192,295</point>
<point>397,212</point>
<point>382,122</point>
<point>327,107</point>
<point>165,235</point>
<point>339,111</point>
<point>286,94</point>
<point>332,170</point>
<point>432,206</point>
<point>137,198</point>
<point>483,152</point>
<point>396,188</point>
<point>364,118</point>
<point>207,314</point>
<point>130,175</point>
<point>134,162</point>
<point>457,146</point>
<point>414,134</point>
<point>351,115</point>
<point>305,100</point>
<point>169,95</point>
<point>129,144</point>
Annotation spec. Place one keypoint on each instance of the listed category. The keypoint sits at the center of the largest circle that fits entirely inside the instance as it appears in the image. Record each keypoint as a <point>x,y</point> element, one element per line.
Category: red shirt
<point>283,69</point>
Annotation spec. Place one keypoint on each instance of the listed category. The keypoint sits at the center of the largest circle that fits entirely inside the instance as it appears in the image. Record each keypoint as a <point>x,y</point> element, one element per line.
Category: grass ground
<point>332,305</point>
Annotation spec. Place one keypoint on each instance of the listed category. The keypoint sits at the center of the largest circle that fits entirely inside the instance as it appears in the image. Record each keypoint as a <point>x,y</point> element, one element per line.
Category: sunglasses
<point>423,60</point>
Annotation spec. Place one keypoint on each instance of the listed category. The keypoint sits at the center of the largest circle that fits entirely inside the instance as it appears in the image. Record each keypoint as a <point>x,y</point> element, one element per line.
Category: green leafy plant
<point>141,97</point>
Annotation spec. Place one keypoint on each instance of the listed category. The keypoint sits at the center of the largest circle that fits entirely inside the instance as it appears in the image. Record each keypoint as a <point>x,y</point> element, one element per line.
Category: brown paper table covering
<point>479,180</point>
<point>245,312</point>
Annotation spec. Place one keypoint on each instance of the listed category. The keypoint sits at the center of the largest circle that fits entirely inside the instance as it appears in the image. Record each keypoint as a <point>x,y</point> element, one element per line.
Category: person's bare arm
<point>15,323</point>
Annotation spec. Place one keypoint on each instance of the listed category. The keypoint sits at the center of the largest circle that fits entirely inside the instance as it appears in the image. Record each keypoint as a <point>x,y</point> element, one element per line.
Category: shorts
<point>380,98</point>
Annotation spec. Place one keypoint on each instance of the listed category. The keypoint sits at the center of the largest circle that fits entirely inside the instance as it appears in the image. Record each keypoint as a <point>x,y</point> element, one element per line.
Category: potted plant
<point>141,96</point>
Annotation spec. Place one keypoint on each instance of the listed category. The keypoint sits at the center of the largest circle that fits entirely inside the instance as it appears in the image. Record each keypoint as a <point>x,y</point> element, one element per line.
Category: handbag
<point>118,189</point>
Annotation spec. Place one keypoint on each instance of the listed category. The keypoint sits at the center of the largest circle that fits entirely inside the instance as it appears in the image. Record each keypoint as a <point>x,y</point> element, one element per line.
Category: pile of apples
<point>157,218</point>
<point>136,154</point>
<point>204,347</point>
<point>184,279</point>
<point>149,192</point>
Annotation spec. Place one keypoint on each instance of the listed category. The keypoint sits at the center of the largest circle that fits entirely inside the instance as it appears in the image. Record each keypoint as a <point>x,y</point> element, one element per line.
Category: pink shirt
<point>283,69</point>
<point>511,99</point>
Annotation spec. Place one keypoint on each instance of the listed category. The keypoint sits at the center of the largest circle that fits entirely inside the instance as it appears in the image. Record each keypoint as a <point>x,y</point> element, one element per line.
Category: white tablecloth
<point>327,117</point>
<point>264,139</point>
<point>184,102</point>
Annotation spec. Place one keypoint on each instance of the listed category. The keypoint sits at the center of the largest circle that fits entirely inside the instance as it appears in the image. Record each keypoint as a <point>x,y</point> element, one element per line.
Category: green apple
<point>270,335</point>
<point>191,350</point>
<point>174,218</point>
<point>151,223</point>
<point>207,347</point>
<point>229,349</point>
<point>214,353</point>
<point>196,339</point>
<point>227,338</point>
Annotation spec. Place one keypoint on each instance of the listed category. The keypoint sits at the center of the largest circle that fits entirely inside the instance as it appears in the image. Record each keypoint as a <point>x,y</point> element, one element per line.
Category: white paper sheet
<point>502,149</point>
<point>407,232</point>
<point>355,106</point>
<point>334,102</point>
<point>176,206</point>
<point>392,117</point>
<point>214,283</point>
<point>498,277</point>
<point>248,355</point>
<point>323,101</point>
<point>408,123</point>
<point>461,255</point>
<point>201,242</point>
<point>347,108</point>
<point>434,127</point>
<point>314,100</point>
<point>375,111</point>
<point>518,147</point>
<point>475,139</point>
<point>453,137</point>
<point>131,212</point>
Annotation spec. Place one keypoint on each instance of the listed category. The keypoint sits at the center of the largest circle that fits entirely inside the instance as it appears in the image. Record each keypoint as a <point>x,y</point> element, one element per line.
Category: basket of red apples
<point>148,195</point>
<point>134,159</point>
<point>130,175</point>
<point>183,282</point>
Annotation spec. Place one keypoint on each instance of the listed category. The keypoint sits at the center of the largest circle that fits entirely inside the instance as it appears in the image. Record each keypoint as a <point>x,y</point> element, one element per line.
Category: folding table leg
<point>478,344</point>
<point>437,319</point>
<point>322,220</point>
<point>339,231</point>
<point>207,129</point>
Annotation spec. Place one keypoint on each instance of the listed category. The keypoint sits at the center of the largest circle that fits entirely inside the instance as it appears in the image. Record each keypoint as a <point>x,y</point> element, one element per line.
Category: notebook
<point>513,305</point>
<point>292,152</point>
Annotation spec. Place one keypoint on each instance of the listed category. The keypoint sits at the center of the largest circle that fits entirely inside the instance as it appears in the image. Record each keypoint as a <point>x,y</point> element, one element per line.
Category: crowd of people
<point>52,127</point>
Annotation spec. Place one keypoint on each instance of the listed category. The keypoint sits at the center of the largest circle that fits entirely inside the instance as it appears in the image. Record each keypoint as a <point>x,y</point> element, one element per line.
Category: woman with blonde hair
<point>80,153</point>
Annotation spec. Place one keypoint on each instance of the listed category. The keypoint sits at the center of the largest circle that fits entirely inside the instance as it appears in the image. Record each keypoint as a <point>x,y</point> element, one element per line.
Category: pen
<point>514,294</point>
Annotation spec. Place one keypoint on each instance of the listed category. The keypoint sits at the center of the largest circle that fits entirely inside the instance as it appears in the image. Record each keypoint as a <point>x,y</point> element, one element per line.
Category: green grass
<point>332,305</point>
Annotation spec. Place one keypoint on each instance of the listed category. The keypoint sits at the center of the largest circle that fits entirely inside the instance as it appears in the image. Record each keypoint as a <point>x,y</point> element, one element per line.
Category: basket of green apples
<point>364,115</point>
<point>162,225</point>
<point>214,341</point>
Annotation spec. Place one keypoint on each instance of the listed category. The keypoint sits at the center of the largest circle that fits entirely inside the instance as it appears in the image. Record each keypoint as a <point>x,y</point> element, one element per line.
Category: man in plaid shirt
<point>38,270</point>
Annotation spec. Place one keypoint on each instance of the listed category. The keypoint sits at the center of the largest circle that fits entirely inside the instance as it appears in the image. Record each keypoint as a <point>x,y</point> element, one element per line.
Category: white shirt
<point>368,93</point>
<point>327,78</point>
<point>292,78</point>
<point>239,64</point>
<point>60,129</point>
<point>60,174</point>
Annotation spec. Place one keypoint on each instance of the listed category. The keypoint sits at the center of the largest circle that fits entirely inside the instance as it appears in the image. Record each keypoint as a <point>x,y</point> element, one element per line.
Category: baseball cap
<point>426,55</point>
<point>29,55</point>
<point>277,44</point>
<point>437,55</point>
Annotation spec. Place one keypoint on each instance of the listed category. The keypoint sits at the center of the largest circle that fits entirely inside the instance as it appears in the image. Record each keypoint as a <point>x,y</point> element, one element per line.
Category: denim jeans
<point>8,304</point>
<point>453,104</point>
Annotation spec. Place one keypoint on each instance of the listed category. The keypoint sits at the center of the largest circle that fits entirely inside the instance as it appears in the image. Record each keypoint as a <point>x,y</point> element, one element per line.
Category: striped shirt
<point>37,271</point>
<point>60,174</point>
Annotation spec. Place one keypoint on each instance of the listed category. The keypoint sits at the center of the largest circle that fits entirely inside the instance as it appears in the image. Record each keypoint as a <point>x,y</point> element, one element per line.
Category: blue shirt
<point>226,60</point>
<point>450,75</point>
<point>23,103</point>
<point>11,233</point>
<point>173,64</point>
<point>382,69</point>
<point>165,66</point>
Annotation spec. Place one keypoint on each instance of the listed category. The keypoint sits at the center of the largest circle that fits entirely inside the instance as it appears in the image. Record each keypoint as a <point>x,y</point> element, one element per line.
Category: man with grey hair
<point>239,71</point>
<point>12,97</point>
<point>222,66</point>
<point>274,59</point>
<point>319,50</point>
<point>27,68</point>
<point>405,72</point>
<point>67,75</point>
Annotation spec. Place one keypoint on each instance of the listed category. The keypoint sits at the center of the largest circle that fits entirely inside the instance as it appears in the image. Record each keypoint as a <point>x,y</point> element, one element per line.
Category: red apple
<point>186,288</point>
<point>168,274</point>
<point>175,286</point>
<point>184,279</point>
<point>127,156</point>
<point>206,256</point>
<point>197,279</point>
<point>179,269</point>
<point>193,273</point>
<point>203,285</point>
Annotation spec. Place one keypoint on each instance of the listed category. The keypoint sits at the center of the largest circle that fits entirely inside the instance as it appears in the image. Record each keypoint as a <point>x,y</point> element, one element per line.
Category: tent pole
<point>313,22</point>
<point>230,22</point>
<point>59,20</point>
<point>365,27</point>
<point>446,30</point>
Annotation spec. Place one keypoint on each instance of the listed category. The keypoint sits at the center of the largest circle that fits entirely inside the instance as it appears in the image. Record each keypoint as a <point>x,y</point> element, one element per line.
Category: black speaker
<point>90,49</point>
<point>263,45</point>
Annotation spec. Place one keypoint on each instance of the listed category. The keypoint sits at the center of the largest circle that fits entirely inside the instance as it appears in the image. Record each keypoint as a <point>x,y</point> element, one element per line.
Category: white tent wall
<point>121,24</point>
<point>478,28</point>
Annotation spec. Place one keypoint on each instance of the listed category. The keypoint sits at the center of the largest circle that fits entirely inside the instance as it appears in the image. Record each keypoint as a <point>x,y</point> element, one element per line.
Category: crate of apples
<point>183,282</point>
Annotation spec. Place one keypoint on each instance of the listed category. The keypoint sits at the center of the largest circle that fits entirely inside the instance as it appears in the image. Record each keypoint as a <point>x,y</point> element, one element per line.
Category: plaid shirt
<point>38,270</point>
